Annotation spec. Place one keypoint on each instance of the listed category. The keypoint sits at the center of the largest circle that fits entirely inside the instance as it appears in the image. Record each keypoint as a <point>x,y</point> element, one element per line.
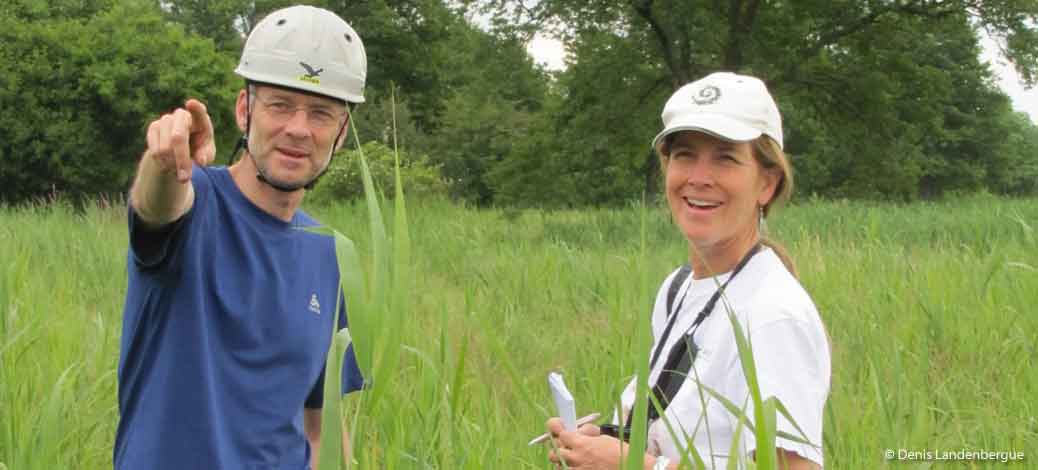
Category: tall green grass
<point>377,299</point>
<point>930,308</point>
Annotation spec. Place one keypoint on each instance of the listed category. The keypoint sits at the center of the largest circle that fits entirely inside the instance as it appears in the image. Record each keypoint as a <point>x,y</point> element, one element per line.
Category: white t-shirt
<point>790,351</point>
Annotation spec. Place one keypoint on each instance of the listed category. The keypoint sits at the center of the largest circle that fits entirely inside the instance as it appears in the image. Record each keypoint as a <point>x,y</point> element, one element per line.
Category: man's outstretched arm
<point>162,191</point>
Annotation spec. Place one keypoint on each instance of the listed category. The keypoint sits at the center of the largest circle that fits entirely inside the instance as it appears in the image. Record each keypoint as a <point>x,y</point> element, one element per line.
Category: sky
<point>550,53</point>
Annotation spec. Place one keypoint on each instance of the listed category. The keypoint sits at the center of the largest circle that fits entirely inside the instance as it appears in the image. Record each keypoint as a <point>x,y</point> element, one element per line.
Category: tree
<point>498,98</point>
<point>1018,173</point>
<point>407,43</point>
<point>86,86</point>
<point>405,40</point>
<point>342,181</point>
<point>465,90</point>
<point>223,21</point>
<point>861,80</point>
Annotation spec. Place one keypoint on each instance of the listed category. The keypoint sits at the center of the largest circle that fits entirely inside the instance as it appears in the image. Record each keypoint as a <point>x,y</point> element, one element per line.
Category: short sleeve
<point>351,381</point>
<point>151,248</point>
<point>155,248</point>
<point>792,366</point>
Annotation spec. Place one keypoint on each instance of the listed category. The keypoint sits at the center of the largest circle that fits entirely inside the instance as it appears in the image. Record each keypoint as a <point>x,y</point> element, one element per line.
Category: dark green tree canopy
<point>80,82</point>
<point>880,98</point>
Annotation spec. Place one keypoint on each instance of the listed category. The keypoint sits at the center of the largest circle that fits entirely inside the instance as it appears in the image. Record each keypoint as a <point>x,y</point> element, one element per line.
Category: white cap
<point>732,107</point>
<point>309,49</point>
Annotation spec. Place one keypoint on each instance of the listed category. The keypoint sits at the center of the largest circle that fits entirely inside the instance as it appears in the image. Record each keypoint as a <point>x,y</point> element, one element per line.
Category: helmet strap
<point>243,142</point>
<point>331,155</point>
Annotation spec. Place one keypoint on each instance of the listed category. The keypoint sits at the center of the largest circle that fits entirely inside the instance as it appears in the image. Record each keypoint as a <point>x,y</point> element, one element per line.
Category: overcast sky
<point>551,54</point>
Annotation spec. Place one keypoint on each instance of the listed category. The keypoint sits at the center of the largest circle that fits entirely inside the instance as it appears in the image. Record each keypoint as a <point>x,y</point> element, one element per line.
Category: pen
<point>580,422</point>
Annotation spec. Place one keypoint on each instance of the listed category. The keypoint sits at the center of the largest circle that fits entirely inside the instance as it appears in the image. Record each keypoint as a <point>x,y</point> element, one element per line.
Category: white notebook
<point>563,401</point>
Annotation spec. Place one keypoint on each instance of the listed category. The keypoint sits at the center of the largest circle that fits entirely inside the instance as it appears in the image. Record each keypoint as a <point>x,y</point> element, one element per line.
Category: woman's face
<point>714,188</point>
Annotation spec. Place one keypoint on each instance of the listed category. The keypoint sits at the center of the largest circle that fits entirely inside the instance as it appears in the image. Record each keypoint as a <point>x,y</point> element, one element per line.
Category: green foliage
<point>920,301</point>
<point>342,181</point>
<point>377,299</point>
<point>84,88</point>
<point>219,20</point>
<point>409,45</point>
<point>881,99</point>
<point>40,10</point>
<point>479,133</point>
<point>489,117</point>
<point>1018,173</point>
<point>379,120</point>
<point>859,132</point>
<point>589,147</point>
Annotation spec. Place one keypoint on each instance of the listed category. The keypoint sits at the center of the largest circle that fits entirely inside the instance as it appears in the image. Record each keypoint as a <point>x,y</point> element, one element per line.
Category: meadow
<point>931,309</point>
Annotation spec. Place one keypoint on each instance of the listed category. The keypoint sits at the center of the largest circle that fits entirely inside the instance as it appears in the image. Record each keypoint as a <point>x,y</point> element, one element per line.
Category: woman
<point>721,151</point>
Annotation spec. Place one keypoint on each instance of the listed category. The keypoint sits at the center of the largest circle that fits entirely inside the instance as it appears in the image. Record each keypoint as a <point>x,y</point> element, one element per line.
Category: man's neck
<point>279,204</point>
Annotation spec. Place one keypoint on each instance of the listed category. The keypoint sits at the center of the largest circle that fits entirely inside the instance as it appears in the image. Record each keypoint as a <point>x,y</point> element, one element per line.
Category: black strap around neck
<point>679,361</point>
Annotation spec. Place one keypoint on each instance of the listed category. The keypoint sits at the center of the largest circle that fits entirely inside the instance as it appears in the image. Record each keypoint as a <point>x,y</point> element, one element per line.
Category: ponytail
<point>771,157</point>
<point>782,254</point>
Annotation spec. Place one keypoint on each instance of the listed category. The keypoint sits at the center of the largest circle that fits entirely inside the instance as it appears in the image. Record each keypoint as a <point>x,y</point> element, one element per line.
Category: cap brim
<point>719,126</point>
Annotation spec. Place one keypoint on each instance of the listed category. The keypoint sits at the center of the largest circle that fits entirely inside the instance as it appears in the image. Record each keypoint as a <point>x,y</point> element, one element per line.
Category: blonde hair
<point>771,158</point>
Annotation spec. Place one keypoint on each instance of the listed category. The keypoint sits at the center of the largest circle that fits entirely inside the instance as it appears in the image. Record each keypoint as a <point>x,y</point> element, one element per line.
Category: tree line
<point>881,98</point>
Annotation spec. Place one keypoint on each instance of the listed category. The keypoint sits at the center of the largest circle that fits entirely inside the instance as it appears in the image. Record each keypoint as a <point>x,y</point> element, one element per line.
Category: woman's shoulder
<point>775,294</point>
<point>670,287</point>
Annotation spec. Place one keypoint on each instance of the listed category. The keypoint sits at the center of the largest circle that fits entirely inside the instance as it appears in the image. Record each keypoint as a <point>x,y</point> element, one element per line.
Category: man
<point>229,306</point>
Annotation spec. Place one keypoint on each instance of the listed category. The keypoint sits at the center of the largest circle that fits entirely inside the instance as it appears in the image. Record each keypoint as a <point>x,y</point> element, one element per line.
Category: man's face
<point>292,134</point>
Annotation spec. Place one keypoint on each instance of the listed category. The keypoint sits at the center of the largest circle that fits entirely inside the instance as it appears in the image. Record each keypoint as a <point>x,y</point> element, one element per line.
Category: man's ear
<point>345,133</point>
<point>241,110</point>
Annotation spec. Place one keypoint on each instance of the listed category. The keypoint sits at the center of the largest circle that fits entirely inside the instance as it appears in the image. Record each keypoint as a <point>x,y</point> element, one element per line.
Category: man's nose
<point>298,125</point>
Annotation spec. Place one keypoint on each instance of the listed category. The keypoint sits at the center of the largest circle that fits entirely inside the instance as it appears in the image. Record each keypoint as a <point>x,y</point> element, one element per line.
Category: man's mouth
<point>294,153</point>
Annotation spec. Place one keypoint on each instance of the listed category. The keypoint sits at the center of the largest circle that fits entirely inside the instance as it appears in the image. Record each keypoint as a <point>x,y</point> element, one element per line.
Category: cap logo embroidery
<point>311,74</point>
<point>707,95</point>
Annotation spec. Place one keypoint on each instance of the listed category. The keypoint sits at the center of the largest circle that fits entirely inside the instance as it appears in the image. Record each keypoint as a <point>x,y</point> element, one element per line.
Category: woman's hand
<point>586,449</point>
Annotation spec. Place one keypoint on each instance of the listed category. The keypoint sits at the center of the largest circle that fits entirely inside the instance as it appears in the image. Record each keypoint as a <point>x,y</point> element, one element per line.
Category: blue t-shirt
<point>226,329</point>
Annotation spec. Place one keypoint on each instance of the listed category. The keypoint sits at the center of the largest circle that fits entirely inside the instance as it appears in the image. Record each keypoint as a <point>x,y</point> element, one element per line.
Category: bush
<point>342,181</point>
<point>78,92</point>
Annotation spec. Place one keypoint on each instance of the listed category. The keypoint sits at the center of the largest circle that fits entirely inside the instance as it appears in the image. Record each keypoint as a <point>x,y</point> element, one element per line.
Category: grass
<point>930,307</point>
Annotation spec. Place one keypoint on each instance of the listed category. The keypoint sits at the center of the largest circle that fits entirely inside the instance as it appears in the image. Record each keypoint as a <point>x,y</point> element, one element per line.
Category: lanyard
<point>707,309</point>
<point>679,361</point>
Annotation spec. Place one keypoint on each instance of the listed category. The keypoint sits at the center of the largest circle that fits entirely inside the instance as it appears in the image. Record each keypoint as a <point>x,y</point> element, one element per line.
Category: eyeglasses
<point>318,117</point>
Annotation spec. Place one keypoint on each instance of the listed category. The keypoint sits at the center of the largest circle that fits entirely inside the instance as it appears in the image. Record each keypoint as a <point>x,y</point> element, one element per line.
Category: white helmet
<point>306,48</point>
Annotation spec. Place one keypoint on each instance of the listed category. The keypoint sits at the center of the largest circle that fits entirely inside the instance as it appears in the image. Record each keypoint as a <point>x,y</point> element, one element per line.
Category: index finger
<point>203,146</point>
<point>200,115</point>
<point>182,122</point>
